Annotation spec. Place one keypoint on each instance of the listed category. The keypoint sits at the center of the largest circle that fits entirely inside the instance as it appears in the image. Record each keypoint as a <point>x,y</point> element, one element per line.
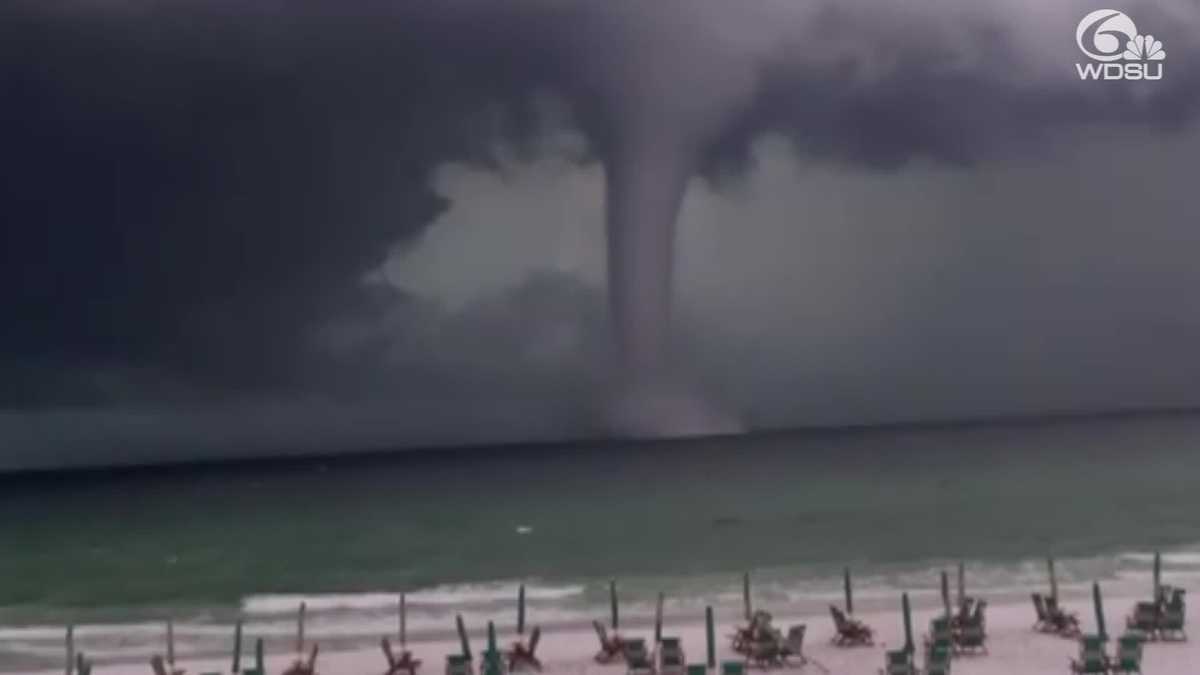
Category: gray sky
<point>242,231</point>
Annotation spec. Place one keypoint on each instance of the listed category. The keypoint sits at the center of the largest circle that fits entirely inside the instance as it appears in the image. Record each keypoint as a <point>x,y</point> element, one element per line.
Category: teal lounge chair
<point>1144,619</point>
<point>459,664</point>
<point>1170,623</point>
<point>1092,658</point>
<point>733,668</point>
<point>937,660</point>
<point>637,657</point>
<point>697,669</point>
<point>671,660</point>
<point>1129,655</point>
<point>899,662</point>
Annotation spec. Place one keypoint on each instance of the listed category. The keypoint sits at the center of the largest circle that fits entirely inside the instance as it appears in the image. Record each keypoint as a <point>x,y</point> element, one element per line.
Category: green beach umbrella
<point>491,638</point>
<point>746,595</point>
<point>962,583</point>
<point>946,592</point>
<point>658,616</point>
<point>521,610</point>
<point>237,646</point>
<point>612,599</point>
<point>1157,575</point>
<point>300,628</point>
<point>462,637</point>
<point>70,648</point>
<point>847,588</point>
<point>1099,611</point>
<point>908,638</point>
<point>1053,579</point>
<point>709,635</point>
<point>403,621</point>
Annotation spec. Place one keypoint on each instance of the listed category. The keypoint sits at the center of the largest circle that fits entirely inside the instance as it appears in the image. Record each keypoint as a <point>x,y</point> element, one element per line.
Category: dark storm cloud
<point>193,190</point>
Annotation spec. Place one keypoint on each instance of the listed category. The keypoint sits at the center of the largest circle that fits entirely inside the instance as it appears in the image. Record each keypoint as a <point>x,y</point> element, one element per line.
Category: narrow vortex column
<point>646,178</point>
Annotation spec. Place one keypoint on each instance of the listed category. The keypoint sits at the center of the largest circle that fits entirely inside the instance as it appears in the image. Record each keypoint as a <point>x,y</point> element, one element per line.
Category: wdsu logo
<point>1117,50</point>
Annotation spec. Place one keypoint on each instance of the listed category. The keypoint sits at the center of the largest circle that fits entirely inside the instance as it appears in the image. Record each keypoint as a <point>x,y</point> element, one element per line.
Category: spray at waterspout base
<point>664,408</point>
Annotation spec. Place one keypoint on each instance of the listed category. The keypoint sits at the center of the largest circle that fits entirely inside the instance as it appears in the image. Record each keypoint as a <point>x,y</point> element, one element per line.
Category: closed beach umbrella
<point>1157,575</point>
<point>300,628</point>
<point>658,612</point>
<point>612,599</point>
<point>1099,611</point>
<point>491,638</point>
<point>258,656</point>
<point>462,637</point>
<point>70,649</point>
<point>846,587</point>
<point>709,635</point>
<point>908,638</point>
<point>237,646</point>
<point>746,595</point>
<point>521,610</point>
<point>170,642</point>
<point>1053,579</point>
<point>946,592</point>
<point>403,621</point>
<point>962,583</point>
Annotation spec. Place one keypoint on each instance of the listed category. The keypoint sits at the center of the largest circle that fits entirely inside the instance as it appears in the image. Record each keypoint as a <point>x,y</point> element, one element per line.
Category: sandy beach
<point>1014,649</point>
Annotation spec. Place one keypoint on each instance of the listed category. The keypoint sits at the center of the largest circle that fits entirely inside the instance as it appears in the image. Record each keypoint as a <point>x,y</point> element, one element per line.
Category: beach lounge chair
<point>850,632</point>
<point>159,666</point>
<point>303,667</point>
<point>459,664</point>
<point>1043,624</point>
<point>637,657</point>
<point>971,636</point>
<point>793,646</point>
<point>670,657</point>
<point>940,634</point>
<point>611,648</point>
<point>1144,619</point>
<point>405,664</point>
<point>733,668</point>
<point>767,650</point>
<point>899,662</point>
<point>521,655</point>
<point>1170,621</point>
<point>937,660</point>
<point>1092,658</point>
<point>1129,655</point>
<point>697,669</point>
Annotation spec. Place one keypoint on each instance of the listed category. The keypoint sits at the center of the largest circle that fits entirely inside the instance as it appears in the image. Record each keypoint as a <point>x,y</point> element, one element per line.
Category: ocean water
<point>117,552</point>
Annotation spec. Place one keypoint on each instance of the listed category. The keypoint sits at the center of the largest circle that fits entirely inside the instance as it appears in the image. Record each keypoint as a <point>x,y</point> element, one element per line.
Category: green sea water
<point>210,543</point>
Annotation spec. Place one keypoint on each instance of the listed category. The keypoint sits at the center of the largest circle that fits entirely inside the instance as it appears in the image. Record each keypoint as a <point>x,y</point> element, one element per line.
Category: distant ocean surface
<point>118,552</point>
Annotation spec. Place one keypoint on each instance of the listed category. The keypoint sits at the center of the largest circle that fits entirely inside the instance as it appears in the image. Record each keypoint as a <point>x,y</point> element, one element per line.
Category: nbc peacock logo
<point>1116,49</point>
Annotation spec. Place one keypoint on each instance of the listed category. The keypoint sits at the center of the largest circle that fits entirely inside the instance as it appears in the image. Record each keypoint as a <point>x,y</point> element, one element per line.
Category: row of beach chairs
<point>1093,660</point>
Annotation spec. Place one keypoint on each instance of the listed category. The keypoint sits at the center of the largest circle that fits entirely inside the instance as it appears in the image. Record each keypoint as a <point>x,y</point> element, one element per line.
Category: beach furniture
<point>1129,655</point>
<point>304,666</point>
<point>1052,619</point>
<point>521,655</point>
<point>850,632</point>
<point>937,660</point>
<point>756,631</point>
<point>971,635</point>
<point>637,657</point>
<point>767,651</point>
<point>697,669</point>
<point>405,664</point>
<point>940,634</point>
<point>793,646</point>
<point>733,668</point>
<point>1043,623</point>
<point>670,657</point>
<point>1144,619</point>
<point>1092,658</point>
<point>459,664</point>
<point>1170,622</point>
<point>611,648</point>
<point>159,666</point>
<point>898,662</point>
